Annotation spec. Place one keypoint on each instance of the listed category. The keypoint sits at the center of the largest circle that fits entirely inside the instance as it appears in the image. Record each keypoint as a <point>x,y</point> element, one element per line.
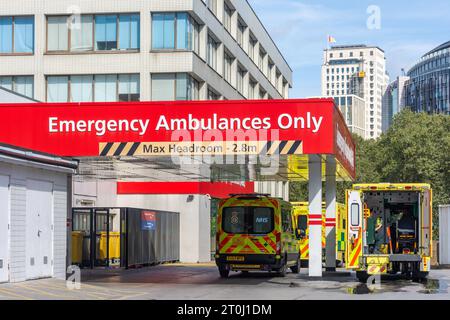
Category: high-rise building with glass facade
<point>428,89</point>
<point>394,100</point>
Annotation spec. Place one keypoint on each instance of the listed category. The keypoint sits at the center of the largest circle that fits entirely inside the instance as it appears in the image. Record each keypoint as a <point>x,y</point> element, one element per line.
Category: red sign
<point>344,148</point>
<point>148,220</point>
<point>80,129</point>
<point>214,189</point>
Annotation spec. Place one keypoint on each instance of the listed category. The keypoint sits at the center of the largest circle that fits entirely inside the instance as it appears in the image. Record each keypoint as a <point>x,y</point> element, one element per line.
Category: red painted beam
<point>214,189</point>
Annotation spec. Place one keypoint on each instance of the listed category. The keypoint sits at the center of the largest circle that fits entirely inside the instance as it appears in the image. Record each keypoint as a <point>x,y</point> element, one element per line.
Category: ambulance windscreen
<point>248,220</point>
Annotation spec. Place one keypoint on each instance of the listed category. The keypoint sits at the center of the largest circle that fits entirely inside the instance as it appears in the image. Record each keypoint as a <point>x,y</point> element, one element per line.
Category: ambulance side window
<point>354,214</point>
<point>286,220</point>
<point>302,223</point>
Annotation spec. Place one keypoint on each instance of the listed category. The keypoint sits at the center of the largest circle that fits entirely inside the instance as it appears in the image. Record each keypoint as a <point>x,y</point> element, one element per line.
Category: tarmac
<point>202,282</point>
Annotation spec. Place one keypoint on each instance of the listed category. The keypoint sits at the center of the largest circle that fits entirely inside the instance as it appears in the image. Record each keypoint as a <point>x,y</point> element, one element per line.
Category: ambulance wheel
<point>419,276</point>
<point>282,271</point>
<point>296,268</point>
<point>224,271</point>
<point>362,276</point>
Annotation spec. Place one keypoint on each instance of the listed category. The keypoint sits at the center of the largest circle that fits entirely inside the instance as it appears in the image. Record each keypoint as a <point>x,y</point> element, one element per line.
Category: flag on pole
<point>331,39</point>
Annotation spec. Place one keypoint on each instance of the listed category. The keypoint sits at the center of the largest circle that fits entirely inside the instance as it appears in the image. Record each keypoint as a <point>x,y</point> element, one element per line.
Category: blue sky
<point>409,28</point>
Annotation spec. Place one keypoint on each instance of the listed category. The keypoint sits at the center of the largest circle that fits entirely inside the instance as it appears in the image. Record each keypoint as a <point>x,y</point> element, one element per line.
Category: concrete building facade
<point>112,50</point>
<point>357,70</point>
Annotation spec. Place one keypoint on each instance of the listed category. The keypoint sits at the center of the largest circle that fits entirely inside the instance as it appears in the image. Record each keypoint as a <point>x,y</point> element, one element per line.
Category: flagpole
<point>328,48</point>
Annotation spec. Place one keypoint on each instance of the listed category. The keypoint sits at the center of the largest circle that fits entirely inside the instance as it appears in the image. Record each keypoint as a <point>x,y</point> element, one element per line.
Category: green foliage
<point>415,149</point>
<point>298,191</point>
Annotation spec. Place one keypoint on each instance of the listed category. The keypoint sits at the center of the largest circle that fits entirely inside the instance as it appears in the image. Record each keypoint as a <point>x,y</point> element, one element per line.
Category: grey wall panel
<point>146,247</point>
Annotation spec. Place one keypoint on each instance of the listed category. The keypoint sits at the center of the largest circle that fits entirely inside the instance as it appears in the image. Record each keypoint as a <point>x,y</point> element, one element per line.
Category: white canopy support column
<point>330,222</point>
<point>315,215</point>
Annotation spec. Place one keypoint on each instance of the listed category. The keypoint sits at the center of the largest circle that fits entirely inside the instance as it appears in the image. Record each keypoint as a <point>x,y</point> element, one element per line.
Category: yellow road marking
<point>95,294</point>
<point>22,297</point>
<point>131,296</point>
<point>37,290</point>
<point>106,289</point>
<point>66,290</point>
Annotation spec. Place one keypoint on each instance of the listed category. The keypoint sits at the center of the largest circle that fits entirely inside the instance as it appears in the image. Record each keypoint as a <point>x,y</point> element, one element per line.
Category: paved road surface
<point>202,281</point>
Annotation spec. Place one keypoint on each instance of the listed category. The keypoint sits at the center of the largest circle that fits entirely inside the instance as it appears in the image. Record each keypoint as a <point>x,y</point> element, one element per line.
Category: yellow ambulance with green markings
<point>256,232</point>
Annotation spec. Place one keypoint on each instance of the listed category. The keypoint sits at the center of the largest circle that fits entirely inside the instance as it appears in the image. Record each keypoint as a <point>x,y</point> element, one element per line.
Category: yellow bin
<point>114,246</point>
<point>77,247</point>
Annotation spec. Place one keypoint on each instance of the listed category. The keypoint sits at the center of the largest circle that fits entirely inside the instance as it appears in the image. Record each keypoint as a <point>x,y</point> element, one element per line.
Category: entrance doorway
<point>39,235</point>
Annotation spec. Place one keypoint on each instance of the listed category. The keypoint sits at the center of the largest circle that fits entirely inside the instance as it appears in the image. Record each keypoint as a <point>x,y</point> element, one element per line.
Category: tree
<point>415,149</point>
<point>365,172</point>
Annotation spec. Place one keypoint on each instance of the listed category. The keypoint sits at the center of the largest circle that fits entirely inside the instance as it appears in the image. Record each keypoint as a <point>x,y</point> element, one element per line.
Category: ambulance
<point>256,232</point>
<point>301,218</point>
<point>389,229</point>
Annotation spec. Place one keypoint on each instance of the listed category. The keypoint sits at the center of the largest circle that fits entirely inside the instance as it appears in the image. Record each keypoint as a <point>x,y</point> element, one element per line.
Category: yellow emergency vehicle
<point>301,218</point>
<point>256,232</point>
<point>389,229</point>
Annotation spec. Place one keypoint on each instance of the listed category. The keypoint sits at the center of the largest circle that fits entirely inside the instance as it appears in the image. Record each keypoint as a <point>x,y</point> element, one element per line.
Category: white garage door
<point>39,248</point>
<point>4,228</point>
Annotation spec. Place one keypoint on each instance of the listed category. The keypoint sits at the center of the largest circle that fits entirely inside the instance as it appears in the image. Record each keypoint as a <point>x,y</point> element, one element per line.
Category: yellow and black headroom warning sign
<point>196,148</point>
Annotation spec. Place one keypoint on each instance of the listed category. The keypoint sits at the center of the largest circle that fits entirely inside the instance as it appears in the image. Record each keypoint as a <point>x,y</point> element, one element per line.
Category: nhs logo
<point>262,220</point>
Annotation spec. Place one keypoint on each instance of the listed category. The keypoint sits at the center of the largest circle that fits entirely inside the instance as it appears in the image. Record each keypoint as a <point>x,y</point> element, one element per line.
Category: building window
<point>251,47</point>
<point>58,89</point>
<point>277,79</point>
<point>81,35</point>
<point>105,88</point>
<point>174,86</point>
<point>98,88</point>
<point>262,94</point>
<point>23,85</point>
<point>174,31</point>
<point>227,14</point>
<point>262,55</point>
<point>212,5</point>
<point>252,89</point>
<point>212,95</point>
<point>227,66</point>
<point>57,34</point>
<point>270,70</point>
<point>285,89</point>
<point>211,54</point>
<point>129,33</point>
<point>240,80</point>
<point>129,87</point>
<point>81,88</point>
<point>240,33</point>
<point>93,32</point>
<point>106,32</point>
<point>17,34</point>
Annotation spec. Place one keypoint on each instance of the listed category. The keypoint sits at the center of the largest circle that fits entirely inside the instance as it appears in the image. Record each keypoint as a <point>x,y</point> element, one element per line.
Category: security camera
<point>208,196</point>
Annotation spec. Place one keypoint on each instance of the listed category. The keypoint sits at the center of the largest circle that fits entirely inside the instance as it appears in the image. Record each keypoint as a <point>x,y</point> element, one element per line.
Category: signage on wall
<point>148,220</point>
<point>193,128</point>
